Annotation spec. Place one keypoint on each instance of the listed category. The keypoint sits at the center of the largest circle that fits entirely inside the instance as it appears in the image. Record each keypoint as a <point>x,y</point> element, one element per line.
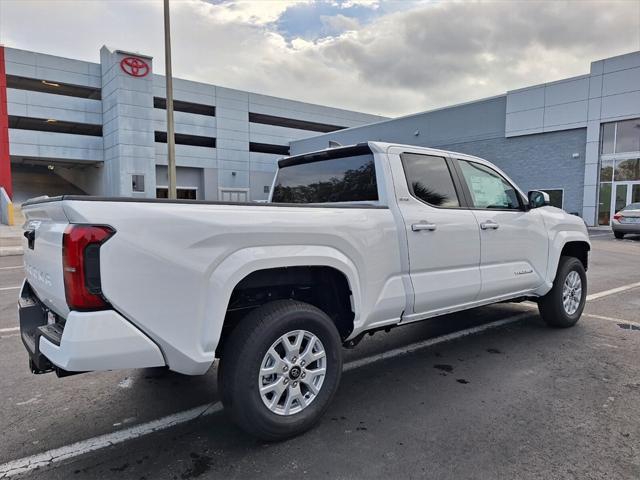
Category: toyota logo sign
<point>135,67</point>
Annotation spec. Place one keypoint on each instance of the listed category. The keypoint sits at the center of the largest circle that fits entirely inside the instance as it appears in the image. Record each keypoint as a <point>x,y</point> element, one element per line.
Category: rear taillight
<point>617,216</point>
<point>81,265</point>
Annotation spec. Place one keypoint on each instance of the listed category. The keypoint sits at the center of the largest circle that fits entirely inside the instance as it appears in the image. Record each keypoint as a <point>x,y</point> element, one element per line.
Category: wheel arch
<point>571,244</point>
<point>255,267</point>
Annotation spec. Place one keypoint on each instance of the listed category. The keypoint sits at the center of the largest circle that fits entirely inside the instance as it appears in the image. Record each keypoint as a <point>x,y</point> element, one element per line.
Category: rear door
<point>513,240</point>
<point>442,236</point>
<point>44,227</point>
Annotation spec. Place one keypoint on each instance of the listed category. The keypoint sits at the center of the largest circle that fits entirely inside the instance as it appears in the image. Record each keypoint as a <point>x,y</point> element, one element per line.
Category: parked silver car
<point>627,220</point>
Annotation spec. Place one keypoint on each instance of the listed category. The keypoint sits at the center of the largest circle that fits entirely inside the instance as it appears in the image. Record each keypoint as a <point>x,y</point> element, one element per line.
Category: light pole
<point>171,143</point>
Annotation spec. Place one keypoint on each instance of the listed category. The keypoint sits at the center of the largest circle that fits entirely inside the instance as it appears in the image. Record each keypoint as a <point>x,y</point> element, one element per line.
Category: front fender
<point>556,245</point>
<point>224,278</point>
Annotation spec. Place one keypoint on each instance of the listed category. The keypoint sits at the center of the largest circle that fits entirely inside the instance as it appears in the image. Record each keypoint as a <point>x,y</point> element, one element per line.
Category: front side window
<point>429,180</point>
<point>346,179</point>
<point>487,187</point>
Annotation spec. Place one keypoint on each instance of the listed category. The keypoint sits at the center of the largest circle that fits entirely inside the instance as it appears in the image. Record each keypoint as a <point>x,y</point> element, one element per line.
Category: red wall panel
<point>5,163</point>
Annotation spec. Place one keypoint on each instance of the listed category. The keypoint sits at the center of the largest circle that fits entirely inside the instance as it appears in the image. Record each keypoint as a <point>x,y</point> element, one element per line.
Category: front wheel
<point>562,306</point>
<point>280,368</point>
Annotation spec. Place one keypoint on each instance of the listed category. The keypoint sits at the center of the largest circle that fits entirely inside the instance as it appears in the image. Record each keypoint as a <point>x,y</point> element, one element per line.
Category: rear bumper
<point>625,227</point>
<point>85,341</point>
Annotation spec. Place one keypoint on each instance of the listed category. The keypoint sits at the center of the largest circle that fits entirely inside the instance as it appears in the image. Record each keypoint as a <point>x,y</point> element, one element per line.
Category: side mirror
<point>538,199</point>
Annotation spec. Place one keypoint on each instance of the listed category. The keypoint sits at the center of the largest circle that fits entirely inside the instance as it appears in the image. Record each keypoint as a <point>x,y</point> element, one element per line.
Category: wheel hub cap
<point>572,292</point>
<point>292,372</point>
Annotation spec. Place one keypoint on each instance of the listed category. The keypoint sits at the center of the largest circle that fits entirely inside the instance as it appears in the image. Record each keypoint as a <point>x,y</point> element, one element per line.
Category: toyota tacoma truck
<point>353,240</point>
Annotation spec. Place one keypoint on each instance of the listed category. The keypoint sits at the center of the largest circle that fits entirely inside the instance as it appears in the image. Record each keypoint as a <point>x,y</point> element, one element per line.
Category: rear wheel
<point>280,369</point>
<point>618,235</point>
<point>563,305</point>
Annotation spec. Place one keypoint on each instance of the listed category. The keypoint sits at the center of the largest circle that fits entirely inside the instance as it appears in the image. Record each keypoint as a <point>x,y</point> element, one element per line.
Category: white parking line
<point>606,293</point>
<point>27,464</point>
<point>611,319</point>
<point>11,268</point>
<point>5,289</point>
<point>11,329</point>
<point>56,455</point>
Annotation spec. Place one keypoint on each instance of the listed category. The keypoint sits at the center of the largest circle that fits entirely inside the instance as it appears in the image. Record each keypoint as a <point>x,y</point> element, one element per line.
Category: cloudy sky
<point>390,57</point>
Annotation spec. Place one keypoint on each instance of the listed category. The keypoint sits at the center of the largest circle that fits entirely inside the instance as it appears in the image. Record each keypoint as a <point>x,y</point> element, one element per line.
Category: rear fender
<point>238,265</point>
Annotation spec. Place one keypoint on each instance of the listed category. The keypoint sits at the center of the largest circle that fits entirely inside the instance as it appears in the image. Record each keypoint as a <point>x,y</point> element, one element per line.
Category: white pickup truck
<point>353,240</point>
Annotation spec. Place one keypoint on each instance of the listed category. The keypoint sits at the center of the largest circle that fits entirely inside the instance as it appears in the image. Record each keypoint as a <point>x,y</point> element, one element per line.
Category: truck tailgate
<point>44,227</point>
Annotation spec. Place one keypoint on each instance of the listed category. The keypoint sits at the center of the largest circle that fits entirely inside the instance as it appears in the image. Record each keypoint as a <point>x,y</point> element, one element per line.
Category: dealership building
<point>69,126</point>
<point>576,138</point>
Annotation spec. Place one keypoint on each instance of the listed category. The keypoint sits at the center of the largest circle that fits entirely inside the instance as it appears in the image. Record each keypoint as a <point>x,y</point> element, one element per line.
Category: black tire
<point>618,235</point>
<point>242,357</point>
<point>551,306</point>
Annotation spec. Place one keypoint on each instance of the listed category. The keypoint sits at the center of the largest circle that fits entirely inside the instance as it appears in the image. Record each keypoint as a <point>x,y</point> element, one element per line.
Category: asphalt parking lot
<point>517,400</point>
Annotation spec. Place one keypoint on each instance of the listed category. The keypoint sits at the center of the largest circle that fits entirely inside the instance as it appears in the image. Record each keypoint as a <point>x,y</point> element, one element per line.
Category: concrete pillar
<point>5,161</point>
<point>592,154</point>
<point>232,142</point>
<point>127,113</point>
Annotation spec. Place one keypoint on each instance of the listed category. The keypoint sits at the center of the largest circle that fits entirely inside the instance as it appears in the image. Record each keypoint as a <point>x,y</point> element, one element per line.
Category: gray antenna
<point>334,144</point>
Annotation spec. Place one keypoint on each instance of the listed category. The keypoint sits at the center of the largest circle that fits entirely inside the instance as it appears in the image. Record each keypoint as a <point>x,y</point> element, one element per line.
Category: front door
<point>442,237</point>
<point>623,194</point>
<point>513,241</point>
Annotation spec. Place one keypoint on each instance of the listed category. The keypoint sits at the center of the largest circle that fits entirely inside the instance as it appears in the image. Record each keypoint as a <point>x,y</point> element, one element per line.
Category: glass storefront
<point>619,167</point>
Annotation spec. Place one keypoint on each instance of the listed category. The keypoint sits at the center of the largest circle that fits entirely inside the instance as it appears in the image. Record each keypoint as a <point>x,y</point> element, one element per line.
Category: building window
<point>292,123</point>
<point>53,125</point>
<point>267,189</point>
<point>608,136</point>
<point>627,170</point>
<point>556,196</point>
<point>183,139</point>
<point>628,136</point>
<point>137,183</point>
<point>268,148</point>
<point>620,137</point>
<point>187,107</point>
<point>181,193</point>
<point>54,87</point>
<point>606,170</point>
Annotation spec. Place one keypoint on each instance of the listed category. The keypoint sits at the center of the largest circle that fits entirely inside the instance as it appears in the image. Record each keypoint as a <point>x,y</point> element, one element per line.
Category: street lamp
<point>171,141</point>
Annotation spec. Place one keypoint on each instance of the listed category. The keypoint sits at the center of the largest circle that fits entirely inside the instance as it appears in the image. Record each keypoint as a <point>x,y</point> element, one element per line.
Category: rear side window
<point>347,179</point>
<point>487,187</point>
<point>429,180</point>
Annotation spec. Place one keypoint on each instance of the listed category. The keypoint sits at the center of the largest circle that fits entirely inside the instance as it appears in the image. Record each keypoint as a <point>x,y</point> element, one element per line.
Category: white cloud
<point>339,23</point>
<point>257,12</point>
<point>433,55</point>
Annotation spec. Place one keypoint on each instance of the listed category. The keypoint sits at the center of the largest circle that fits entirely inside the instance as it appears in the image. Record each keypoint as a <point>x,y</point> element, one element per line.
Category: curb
<point>10,251</point>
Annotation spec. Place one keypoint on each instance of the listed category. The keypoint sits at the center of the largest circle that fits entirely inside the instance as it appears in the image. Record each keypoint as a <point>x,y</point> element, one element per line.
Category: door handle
<point>417,227</point>
<point>489,225</point>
